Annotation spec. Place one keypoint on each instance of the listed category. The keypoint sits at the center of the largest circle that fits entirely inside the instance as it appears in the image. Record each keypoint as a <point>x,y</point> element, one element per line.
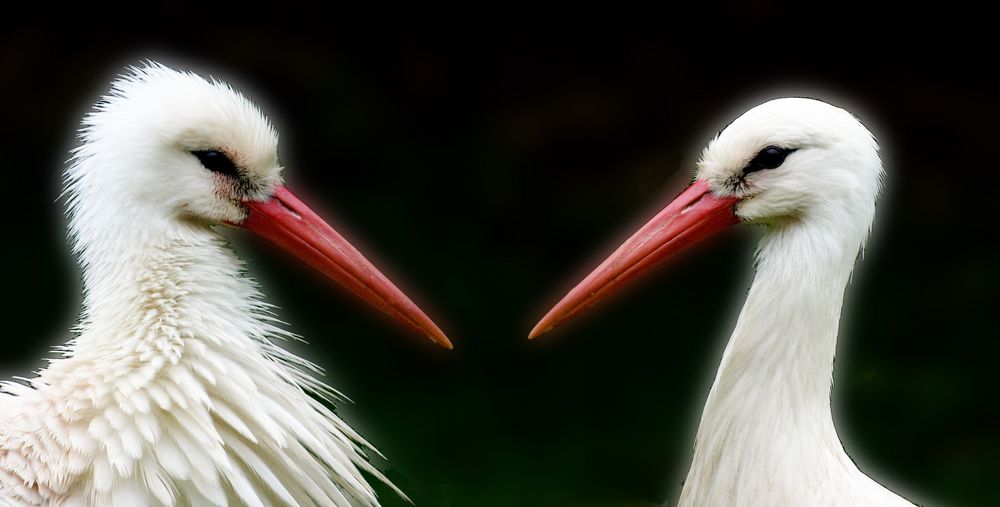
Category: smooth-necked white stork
<point>811,173</point>
<point>173,391</point>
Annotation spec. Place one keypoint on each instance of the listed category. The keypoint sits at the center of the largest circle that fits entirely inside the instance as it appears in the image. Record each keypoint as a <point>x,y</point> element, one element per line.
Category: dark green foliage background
<point>488,167</point>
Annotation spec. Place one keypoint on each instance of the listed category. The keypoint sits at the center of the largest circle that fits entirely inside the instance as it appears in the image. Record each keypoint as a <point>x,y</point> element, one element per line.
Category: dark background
<point>487,163</point>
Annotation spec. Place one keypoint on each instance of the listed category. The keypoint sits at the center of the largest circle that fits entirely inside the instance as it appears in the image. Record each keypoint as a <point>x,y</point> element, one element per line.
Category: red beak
<point>692,216</point>
<point>290,224</point>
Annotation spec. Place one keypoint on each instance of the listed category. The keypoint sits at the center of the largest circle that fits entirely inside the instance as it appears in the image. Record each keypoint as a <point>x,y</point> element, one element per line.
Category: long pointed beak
<point>692,216</point>
<point>290,224</point>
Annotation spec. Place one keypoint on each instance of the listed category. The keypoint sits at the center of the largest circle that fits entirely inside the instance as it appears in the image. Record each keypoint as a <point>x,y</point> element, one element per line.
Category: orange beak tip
<point>536,332</point>
<point>442,341</point>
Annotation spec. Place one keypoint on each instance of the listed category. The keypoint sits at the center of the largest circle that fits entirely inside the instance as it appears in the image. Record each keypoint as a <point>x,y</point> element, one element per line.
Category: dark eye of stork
<point>768,158</point>
<point>217,162</point>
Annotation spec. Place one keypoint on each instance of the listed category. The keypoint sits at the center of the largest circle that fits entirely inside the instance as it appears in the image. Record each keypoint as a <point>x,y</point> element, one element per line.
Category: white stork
<point>173,391</point>
<point>811,173</point>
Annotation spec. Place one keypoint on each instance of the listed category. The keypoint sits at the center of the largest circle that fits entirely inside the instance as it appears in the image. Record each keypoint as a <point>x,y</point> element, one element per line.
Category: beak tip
<point>439,338</point>
<point>540,329</point>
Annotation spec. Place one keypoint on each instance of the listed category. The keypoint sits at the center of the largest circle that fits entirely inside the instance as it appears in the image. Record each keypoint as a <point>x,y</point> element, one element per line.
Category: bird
<point>811,174</point>
<point>173,389</point>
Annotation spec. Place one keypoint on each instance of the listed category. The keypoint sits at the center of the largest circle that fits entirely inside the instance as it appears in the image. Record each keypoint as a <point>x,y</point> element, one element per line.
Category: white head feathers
<point>832,170</point>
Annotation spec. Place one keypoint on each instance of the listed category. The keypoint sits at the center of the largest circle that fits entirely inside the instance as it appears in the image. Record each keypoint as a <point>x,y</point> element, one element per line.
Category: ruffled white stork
<point>173,391</point>
<point>811,173</point>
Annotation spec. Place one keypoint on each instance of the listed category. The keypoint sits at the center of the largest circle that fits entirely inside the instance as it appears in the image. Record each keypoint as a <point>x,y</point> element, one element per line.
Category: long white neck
<point>781,352</point>
<point>176,271</point>
<point>766,435</point>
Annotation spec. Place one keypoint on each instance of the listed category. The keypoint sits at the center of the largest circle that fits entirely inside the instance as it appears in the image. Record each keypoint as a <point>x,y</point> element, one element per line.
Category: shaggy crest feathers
<point>173,391</point>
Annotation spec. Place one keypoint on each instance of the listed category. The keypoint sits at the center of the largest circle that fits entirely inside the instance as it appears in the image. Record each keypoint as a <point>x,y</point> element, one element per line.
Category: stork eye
<point>217,162</point>
<point>768,158</point>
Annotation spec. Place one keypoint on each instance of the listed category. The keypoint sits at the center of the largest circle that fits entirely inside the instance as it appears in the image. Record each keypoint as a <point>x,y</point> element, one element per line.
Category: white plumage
<point>811,173</point>
<point>173,392</point>
<point>766,435</point>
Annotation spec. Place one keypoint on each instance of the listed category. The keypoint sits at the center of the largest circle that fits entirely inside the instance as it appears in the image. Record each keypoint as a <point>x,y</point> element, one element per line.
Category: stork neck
<point>148,279</point>
<point>767,435</point>
<point>779,360</point>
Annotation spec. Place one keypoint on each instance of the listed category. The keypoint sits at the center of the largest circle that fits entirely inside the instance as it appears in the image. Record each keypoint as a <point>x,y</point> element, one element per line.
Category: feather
<point>173,390</point>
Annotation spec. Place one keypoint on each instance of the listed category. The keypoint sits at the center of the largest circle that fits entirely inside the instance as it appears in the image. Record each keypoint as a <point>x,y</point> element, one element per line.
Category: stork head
<point>785,162</point>
<point>794,159</point>
<point>169,146</point>
<point>177,145</point>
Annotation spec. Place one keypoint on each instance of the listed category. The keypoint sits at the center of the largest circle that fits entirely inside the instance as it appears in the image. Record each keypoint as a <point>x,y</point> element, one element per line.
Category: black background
<point>486,160</point>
